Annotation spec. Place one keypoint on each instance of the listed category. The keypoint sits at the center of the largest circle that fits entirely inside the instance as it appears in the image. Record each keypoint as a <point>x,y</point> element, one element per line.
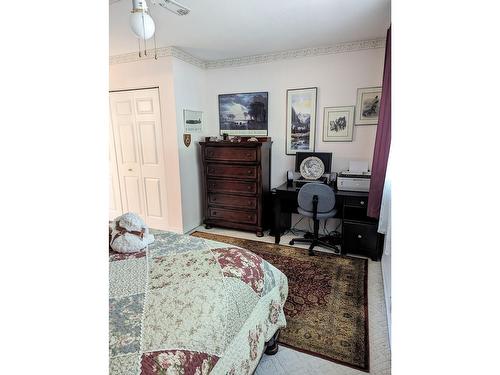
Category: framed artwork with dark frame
<point>243,113</point>
<point>368,105</point>
<point>300,119</point>
<point>338,124</point>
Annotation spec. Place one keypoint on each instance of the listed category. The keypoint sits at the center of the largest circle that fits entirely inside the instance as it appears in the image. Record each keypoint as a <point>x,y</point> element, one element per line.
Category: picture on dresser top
<point>243,113</point>
<point>300,120</point>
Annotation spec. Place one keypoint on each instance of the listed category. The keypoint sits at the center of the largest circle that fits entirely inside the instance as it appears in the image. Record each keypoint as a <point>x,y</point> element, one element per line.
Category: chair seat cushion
<point>320,215</point>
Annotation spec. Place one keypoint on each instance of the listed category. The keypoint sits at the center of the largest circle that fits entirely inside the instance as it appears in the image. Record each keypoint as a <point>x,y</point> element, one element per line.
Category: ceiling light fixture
<point>143,26</point>
<point>140,21</point>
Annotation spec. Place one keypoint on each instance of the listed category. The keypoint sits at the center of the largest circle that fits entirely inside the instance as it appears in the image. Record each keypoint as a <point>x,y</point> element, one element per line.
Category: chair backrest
<point>326,197</point>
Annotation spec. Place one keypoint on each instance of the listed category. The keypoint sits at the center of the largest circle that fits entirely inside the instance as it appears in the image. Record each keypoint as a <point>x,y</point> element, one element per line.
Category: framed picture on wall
<point>338,124</point>
<point>193,121</point>
<point>368,105</point>
<point>243,113</point>
<point>300,119</point>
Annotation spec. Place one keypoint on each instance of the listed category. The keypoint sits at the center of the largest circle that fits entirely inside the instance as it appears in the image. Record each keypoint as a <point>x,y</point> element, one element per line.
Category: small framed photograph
<point>338,123</point>
<point>300,119</point>
<point>193,121</point>
<point>368,105</point>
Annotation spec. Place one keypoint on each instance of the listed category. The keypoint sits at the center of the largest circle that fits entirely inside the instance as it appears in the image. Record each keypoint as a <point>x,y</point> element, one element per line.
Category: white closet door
<point>139,154</point>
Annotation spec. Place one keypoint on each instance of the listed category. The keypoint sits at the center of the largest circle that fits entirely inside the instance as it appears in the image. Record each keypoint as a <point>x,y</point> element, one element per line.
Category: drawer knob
<point>249,203</point>
<point>214,213</point>
<point>249,171</point>
<point>211,170</point>
<point>248,154</point>
<point>249,187</point>
<point>360,236</point>
<point>362,203</point>
<point>214,199</point>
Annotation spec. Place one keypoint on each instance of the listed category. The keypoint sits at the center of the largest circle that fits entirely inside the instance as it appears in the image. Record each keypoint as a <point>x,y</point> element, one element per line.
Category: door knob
<point>130,170</point>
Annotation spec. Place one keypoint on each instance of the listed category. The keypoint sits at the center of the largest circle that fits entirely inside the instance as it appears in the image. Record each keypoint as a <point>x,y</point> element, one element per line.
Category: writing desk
<point>359,232</point>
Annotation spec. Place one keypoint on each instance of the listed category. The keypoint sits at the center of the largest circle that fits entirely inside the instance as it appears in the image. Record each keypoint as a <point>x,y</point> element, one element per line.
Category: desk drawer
<point>356,202</point>
<point>231,154</point>
<point>225,186</point>
<point>360,238</point>
<point>236,171</point>
<point>236,201</point>
<point>232,215</point>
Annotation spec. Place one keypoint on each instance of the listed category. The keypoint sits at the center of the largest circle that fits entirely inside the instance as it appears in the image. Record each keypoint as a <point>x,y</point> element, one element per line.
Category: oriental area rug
<point>327,305</point>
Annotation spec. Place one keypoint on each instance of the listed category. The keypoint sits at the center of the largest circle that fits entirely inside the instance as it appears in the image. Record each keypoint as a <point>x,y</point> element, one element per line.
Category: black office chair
<point>316,200</point>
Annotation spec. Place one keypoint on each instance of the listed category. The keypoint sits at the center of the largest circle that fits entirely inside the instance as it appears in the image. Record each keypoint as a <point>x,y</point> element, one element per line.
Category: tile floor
<point>291,362</point>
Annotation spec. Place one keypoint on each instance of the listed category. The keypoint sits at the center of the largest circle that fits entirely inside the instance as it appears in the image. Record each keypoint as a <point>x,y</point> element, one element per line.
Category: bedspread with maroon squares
<point>192,306</point>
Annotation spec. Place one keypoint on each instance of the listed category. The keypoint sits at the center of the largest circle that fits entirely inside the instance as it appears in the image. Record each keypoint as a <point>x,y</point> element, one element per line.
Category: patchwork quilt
<point>191,306</point>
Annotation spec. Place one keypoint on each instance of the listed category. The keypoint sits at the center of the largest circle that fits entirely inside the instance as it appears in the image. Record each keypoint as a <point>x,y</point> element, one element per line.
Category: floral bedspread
<point>192,306</point>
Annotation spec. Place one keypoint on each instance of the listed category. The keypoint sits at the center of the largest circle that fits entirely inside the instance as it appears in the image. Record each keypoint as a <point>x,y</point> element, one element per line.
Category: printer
<point>356,178</point>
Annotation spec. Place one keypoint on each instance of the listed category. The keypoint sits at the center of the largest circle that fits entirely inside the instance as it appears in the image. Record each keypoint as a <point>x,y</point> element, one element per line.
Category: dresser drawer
<point>231,154</point>
<point>225,186</point>
<point>237,201</point>
<point>228,170</point>
<point>360,238</point>
<point>232,215</point>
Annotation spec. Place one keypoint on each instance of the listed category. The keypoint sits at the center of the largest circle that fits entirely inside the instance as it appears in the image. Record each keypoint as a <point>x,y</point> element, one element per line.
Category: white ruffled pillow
<point>123,241</point>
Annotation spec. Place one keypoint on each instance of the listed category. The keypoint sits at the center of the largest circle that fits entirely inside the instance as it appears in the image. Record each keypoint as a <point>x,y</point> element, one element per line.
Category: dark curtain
<point>383,138</point>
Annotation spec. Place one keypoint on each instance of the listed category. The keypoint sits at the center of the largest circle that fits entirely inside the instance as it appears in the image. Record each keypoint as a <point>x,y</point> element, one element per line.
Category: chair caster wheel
<point>291,242</point>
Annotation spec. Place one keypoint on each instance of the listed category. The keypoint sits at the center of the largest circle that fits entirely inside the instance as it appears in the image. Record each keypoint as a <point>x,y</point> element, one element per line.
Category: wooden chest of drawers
<point>237,179</point>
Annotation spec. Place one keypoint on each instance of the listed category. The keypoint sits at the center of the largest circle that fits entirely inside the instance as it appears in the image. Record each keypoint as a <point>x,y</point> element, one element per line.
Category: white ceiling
<point>217,29</point>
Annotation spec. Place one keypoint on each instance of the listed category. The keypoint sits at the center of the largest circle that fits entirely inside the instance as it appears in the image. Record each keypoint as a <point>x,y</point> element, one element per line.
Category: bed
<point>192,306</point>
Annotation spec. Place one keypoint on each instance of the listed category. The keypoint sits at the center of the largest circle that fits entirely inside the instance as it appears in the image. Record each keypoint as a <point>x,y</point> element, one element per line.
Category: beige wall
<point>157,73</point>
<point>189,88</point>
<point>337,78</point>
<point>184,86</point>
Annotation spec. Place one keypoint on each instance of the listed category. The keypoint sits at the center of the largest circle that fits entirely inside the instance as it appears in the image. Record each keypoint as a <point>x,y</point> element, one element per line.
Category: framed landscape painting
<point>368,105</point>
<point>300,119</point>
<point>338,124</point>
<point>243,114</point>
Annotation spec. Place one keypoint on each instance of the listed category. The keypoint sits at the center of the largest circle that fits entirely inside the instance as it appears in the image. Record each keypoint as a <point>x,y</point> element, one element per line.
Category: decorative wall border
<point>297,53</point>
<point>253,59</point>
<point>160,52</point>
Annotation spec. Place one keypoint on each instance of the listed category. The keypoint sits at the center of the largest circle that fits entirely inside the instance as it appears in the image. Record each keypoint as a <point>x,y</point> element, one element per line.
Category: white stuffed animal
<point>129,234</point>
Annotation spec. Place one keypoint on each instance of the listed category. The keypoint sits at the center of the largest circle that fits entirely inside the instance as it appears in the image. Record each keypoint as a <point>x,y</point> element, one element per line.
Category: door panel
<point>145,106</point>
<point>140,158</point>
<point>115,200</point>
<point>133,195</point>
<point>148,142</point>
<point>127,142</point>
<point>123,108</point>
<point>153,196</point>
